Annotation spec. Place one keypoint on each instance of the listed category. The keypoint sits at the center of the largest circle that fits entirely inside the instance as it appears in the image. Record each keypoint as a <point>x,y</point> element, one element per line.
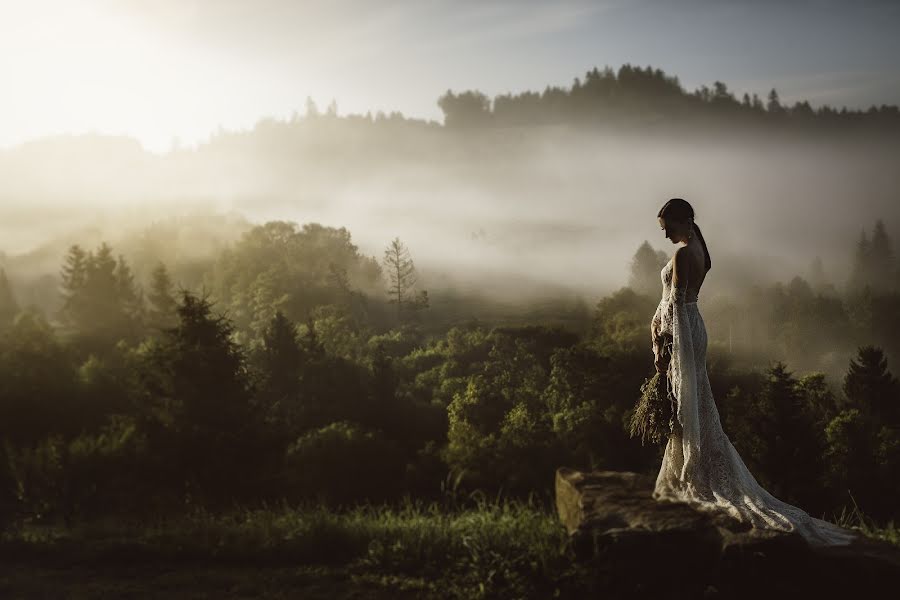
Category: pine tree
<point>280,358</point>
<point>200,407</point>
<point>402,273</point>
<point>645,268</point>
<point>103,308</point>
<point>101,303</point>
<point>163,306</point>
<point>863,454</point>
<point>756,103</point>
<point>871,388</point>
<point>790,458</point>
<point>73,278</point>
<point>774,103</point>
<point>130,297</point>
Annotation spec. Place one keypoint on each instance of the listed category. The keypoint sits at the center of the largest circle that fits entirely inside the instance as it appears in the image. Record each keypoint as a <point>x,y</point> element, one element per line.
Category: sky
<point>175,71</point>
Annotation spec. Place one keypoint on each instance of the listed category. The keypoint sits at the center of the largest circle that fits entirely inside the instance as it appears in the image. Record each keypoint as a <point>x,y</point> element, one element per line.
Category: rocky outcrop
<point>641,547</point>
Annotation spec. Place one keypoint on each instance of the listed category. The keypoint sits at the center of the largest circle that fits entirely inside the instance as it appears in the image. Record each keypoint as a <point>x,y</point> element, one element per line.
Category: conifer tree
<point>279,359</point>
<point>645,268</point>
<point>130,297</point>
<point>791,456</point>
<point>102,306</point>
<point>200,409</point>
<point>871,388</point>
<point>402,273</point>
<point>774,103</point>
<point>163,306</point>
<point>101,303</point>
<point>73,278</point>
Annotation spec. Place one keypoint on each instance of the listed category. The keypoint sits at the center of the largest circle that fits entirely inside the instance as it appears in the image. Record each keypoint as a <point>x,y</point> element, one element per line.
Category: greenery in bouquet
<point>653,418</point>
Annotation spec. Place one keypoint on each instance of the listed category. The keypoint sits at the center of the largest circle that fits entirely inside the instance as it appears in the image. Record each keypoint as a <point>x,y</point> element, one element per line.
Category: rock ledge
<point>643,547</point>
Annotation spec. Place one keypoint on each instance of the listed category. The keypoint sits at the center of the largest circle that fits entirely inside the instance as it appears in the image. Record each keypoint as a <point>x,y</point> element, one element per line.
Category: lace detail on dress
<point>700,465</point>
<point>662,319</point>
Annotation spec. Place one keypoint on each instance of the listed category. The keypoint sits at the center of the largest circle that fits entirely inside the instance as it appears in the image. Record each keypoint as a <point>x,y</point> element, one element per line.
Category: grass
<point>476,548</point>
<point>517,548</point>
<point>855,518</point>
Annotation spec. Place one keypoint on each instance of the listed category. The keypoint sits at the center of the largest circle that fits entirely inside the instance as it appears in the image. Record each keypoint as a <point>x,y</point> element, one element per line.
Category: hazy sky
<point>157,69</point>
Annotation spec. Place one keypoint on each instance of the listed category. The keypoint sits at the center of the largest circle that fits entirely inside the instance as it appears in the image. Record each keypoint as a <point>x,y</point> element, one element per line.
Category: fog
<point>512,212</point>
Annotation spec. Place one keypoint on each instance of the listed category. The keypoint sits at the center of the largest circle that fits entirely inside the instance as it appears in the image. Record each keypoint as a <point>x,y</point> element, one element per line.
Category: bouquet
<point>653,418</point>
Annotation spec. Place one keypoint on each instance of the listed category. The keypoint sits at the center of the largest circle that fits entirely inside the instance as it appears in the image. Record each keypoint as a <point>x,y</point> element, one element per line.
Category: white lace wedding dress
<point>700,465</point>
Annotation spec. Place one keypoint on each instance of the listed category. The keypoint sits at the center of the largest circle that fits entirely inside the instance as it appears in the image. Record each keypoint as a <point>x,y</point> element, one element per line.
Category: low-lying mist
<point>511,212</point>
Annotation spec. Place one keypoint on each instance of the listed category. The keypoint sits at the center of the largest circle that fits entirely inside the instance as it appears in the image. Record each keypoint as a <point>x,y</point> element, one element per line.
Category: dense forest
<point>633,94</point>
<point>291,366</point>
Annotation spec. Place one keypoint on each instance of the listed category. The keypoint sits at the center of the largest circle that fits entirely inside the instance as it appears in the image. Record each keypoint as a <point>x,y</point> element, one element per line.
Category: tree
<point>621,323</point>
<point>582,410</point>
<point>163,306</point>
<point>279,265</point>
<point>37,381</point>
<point>353,302</point>
<point>467,109</point>
<point>721,96</point>
<point>500,419</point>
<point>343,462</point>
<point>863,452</point>
<point>848,458</point>
<point>774,104</point>
<point>402,273</point>
<point>130,296</point>
<point>871,388</point>
<point>199,404</point>
<point>101,303</point>
<point>331,387</point>
<point>645,268</point>
<point>279,360</point>
<point>73,278</point>
<point>790,457</point>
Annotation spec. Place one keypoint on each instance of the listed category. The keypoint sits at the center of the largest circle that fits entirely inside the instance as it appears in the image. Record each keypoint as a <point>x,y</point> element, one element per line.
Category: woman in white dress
<point>700,465</point>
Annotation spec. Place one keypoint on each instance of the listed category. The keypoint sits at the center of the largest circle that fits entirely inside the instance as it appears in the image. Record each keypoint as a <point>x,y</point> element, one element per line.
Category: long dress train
<point>700,465</point>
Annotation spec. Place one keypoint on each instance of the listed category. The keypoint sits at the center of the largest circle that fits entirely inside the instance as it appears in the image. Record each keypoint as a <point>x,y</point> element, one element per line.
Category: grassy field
<point>485,549</point>
<point>413,550</point>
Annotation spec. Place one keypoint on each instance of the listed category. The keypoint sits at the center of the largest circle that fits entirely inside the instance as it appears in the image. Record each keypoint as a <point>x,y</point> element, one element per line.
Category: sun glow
<point>84,67</point>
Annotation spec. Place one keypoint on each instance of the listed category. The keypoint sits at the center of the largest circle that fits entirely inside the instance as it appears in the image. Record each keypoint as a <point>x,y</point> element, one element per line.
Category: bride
<point>700,465</point>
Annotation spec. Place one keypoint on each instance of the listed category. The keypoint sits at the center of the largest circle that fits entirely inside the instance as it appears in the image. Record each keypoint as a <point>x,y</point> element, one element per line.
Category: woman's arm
<point>663,321</point>
<point>655,323</point>
<point>680,275</point>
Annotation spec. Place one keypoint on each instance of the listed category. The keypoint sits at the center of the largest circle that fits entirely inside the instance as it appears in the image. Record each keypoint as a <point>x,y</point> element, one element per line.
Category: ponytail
<point>705,249</point>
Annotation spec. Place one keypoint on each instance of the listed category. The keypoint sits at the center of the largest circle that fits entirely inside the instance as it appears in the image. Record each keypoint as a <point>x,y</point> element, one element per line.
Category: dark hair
<point>677,208</point>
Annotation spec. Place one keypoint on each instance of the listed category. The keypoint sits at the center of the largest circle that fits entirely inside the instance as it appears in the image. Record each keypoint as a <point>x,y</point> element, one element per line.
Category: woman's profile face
<point>672,227</point>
